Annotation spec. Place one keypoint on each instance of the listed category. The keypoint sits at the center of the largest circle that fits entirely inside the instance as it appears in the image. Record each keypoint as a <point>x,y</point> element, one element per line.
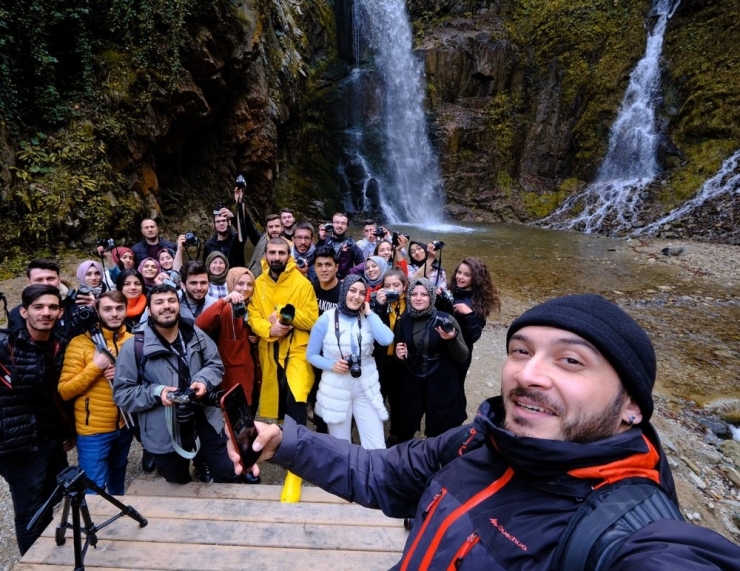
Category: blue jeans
<point>104,457</point>
<point>32,477</point>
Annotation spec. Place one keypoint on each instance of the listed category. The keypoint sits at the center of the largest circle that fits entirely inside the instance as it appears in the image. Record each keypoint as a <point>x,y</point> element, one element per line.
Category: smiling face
<point>93,277</point>
<point>149,270</point>
<point>556,385</point>
<point>41,315</point>
<point>132,287</point>
<point>464,277</point>
<point>326,269</point>
<point>111,313</point>
<point>165,309</point>
<point>385,250</point>
<point>420,298</point>
<point>166,260</point>
<point>273,228</point>
<point>356,296</point>
<point>217,266</point>
<point>372,270</point>
<point>245,286</point>
<point>417,253</point>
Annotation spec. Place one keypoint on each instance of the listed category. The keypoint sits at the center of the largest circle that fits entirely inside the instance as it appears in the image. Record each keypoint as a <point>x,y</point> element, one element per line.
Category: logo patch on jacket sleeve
<point>507,535</point>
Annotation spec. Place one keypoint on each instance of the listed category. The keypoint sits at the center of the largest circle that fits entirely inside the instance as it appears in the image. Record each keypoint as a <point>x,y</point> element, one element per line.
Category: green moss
<point>541,205</point>
<point>593,45</point>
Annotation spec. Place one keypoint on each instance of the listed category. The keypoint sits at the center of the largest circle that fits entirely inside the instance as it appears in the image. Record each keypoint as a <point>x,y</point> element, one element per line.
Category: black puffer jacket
<point>22,406</point>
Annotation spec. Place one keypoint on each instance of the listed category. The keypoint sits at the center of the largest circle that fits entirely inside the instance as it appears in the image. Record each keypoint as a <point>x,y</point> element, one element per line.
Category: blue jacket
<point>504,505</point>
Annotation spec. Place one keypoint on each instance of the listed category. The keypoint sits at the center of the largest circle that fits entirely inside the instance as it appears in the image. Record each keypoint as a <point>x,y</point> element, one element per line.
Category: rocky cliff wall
<point>522,96</point>
<point>178,97</point>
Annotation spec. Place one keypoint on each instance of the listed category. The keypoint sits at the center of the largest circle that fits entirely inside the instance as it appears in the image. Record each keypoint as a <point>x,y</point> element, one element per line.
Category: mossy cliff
<point>522,95</point>
<point>118,109</point>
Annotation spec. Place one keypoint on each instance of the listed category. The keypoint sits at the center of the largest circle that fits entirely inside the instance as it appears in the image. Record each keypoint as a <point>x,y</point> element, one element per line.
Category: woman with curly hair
<point>475,299</point>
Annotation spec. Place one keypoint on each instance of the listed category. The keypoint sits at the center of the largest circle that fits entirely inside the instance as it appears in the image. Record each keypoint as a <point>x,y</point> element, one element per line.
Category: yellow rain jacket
<point>82,380</point>
<point>289,351</point>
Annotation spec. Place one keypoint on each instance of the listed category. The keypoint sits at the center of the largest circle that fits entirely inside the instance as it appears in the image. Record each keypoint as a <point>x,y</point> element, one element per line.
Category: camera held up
<point>191,239</point>
<point>241,184</point>
<point>444,323</point>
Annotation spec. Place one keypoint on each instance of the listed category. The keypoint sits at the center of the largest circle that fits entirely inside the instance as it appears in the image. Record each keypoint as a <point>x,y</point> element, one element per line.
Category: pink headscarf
<point>149,282</point>
<point>85,266</point>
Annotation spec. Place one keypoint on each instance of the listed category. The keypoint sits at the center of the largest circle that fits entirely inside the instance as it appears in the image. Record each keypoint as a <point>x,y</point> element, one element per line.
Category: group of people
<point>317,327</point>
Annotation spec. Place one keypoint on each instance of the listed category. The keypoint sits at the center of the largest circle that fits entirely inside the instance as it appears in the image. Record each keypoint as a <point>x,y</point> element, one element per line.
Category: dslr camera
<point>380,232</point>
<point>82,290</point>
<point>218,208</point>
<point>438,244</point>
<point>239,310</point>
<point>328,228</point>
<point>395,235</point>
<point>446,301</point>
<point>392,296</point>
<point>191,239</point>
<point>106,243</point>
<point>355,365</point>
<point>444,323</point>
<point>85,318</point>
<point>301,262</point>
<point>188,396</point>
<point>241,184</point>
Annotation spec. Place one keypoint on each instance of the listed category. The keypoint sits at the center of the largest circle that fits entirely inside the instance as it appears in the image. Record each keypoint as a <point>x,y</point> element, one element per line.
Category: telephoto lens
<point>287,314</point>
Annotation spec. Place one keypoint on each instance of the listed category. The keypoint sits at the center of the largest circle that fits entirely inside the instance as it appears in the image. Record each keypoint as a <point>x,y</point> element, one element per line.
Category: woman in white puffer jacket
<point>349,386</point>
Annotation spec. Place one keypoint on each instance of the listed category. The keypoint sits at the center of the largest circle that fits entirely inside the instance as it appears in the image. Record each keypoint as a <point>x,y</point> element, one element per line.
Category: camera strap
<point>359,336</point>
<point>173,428</point>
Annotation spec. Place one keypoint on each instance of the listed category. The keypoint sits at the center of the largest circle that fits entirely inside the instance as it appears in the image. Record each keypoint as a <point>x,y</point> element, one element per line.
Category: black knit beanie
<point>615,334</point>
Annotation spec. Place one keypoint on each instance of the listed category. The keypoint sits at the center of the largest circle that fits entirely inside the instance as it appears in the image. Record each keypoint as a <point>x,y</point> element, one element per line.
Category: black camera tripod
<point>71,484</point>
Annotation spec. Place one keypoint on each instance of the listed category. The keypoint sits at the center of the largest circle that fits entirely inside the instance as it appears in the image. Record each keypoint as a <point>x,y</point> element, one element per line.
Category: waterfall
<point>613,199</point>
<point>393,144</point>
<point>726,181</point>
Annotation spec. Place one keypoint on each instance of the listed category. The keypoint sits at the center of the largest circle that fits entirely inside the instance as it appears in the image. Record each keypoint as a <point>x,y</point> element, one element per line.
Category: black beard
<point>166,325</point>
<point>277,267</point>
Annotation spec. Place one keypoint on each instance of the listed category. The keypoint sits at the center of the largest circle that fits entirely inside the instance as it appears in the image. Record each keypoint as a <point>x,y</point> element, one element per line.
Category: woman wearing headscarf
<point>424,264</point>
<point>218,268</point>
<point>90,273</point>
<point>149,269</point>
<point>429,342</point>
<point>117,259</point>
<point>225,321</point>
<point>341,345</point>
<point>375,270</point>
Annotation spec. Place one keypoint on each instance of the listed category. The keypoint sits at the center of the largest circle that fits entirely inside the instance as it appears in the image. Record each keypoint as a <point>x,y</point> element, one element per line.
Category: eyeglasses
<point>302,238</point>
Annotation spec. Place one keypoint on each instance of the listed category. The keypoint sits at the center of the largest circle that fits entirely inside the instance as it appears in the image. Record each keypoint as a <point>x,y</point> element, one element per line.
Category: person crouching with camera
<point>341,344</point>
<point>169,382</point>
<point>429,342</point>
<point>103,439</point>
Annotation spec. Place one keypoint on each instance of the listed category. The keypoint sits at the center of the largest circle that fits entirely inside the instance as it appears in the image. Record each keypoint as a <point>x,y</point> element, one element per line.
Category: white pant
<point>368,422</point>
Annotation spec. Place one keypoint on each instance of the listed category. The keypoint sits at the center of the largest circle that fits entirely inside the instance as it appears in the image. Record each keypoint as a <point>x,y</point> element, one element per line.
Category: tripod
<point>71,484</point>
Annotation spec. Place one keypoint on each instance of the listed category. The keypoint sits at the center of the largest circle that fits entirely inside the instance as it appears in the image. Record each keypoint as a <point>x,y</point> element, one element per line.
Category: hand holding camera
<point>340,366</point>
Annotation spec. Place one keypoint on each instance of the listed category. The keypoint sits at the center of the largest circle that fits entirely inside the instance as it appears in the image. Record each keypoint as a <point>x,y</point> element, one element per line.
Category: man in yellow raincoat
<point>282,312</point>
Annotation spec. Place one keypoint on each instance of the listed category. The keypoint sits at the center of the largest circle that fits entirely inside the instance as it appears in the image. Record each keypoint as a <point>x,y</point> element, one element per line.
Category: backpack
<point>603,521</point>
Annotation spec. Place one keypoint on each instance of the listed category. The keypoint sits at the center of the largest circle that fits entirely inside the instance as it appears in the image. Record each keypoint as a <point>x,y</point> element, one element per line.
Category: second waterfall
<point>388,159</point>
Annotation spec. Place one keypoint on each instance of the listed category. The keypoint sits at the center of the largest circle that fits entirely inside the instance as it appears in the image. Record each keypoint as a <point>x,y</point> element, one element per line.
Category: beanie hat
<point>421,313</point>
<point>234,275</point>
<point>343,289</point>
<point>615,334</point>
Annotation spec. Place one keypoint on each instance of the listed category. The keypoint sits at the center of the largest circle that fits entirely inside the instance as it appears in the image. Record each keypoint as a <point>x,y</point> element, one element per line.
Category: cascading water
<point>726,181</point>
<point>403,164</point>
<point>631,161</point>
